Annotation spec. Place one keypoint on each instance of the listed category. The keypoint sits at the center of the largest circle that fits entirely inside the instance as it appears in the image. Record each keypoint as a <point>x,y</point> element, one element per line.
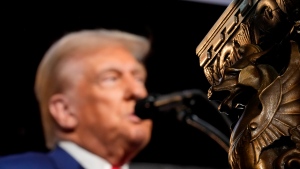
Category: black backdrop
<point>176,28</point>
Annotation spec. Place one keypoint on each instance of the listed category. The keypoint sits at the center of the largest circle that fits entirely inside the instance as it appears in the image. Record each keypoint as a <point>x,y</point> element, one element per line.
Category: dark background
<point>175,27</point>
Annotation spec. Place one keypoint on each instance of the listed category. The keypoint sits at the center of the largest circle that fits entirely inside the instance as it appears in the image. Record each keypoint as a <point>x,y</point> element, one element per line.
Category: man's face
<point>103,97</point>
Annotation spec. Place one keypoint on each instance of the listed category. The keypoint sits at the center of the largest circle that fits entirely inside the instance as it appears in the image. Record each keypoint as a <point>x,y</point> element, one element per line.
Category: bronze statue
<point>251,59</point>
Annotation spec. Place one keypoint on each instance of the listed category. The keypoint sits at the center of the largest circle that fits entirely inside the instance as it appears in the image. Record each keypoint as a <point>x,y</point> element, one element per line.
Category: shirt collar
<point>85,158</point>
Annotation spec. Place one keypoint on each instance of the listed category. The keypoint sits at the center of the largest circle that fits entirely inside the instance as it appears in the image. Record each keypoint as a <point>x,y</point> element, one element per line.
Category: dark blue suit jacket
<point>59,159</point>
<point>56,159</point>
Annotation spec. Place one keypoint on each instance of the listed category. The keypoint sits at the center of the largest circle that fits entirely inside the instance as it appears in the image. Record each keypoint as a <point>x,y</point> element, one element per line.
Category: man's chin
<point>141,138</point>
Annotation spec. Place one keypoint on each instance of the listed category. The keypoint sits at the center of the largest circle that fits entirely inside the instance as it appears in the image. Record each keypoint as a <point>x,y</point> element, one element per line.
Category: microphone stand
<point>185,114</point>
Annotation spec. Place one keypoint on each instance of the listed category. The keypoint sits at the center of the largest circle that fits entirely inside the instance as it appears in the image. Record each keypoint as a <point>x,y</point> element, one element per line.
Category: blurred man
<point>87,86</point>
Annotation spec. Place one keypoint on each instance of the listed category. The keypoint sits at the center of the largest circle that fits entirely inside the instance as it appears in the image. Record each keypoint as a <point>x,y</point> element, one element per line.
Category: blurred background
<point>175,27</point>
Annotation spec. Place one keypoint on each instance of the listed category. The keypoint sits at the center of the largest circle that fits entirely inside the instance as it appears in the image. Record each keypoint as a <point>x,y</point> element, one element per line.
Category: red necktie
<point>116,167</point>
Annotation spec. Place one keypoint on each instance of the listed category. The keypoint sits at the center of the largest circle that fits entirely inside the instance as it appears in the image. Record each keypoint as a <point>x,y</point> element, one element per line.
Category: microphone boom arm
<point>184,114</point>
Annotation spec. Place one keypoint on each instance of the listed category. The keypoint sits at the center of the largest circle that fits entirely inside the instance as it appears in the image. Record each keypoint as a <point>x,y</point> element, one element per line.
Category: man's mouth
<point>133,118</point>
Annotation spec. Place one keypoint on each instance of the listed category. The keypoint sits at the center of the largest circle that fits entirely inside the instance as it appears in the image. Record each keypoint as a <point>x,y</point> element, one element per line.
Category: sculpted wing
<point>280,106</point>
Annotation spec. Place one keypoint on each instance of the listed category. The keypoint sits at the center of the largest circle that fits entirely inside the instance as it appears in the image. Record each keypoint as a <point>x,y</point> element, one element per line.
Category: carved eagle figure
<point>279,117</point>
<point>280,107</point>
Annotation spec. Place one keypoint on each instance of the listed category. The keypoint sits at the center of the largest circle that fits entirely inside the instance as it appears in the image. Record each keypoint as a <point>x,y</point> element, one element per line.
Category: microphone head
<point>145,108</point>
<point>155,104</point>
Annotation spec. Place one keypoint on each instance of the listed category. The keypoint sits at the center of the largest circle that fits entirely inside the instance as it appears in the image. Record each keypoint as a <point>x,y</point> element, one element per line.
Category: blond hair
<point>77,43</point>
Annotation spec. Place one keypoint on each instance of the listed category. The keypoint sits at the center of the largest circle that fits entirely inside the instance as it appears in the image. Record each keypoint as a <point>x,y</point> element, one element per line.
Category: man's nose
<point>135,89</point>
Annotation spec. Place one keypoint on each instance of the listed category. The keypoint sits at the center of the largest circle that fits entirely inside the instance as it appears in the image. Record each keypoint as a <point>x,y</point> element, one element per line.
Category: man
<point>87,86</point>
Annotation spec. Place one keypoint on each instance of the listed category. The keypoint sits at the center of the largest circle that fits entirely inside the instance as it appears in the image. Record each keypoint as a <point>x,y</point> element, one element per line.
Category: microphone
<point>153,106</point>
<point>147,108</point>
<point>156,105</point>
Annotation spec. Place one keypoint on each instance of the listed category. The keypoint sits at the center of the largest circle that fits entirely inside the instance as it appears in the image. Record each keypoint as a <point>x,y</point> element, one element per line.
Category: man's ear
<point>62,112</point>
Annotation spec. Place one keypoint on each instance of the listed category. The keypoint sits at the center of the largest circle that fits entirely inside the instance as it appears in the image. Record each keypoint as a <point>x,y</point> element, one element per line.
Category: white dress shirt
<point>85,158</point>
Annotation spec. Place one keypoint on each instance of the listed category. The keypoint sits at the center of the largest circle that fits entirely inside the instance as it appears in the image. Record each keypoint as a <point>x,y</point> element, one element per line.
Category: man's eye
<point>109,80</point>
<point>113,78</point>
<point>140,79</point>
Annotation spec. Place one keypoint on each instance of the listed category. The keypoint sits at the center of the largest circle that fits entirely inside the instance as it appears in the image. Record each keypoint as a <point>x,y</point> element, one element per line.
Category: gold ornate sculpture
<point>251,59</point>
